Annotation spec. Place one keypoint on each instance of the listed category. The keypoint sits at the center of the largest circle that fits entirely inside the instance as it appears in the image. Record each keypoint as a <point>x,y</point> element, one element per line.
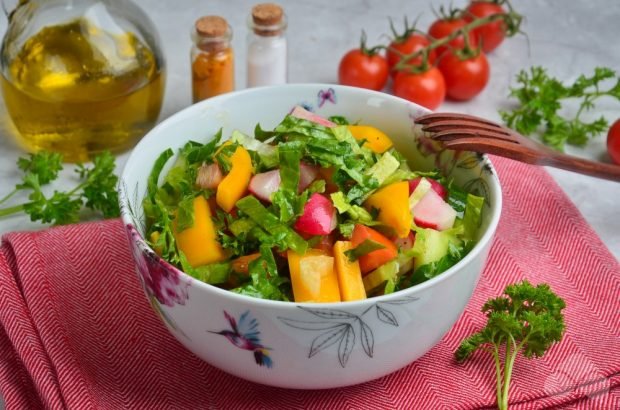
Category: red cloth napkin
<point>77,332</point>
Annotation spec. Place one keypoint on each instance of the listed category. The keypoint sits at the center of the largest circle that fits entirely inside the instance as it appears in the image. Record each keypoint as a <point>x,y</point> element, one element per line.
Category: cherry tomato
<point>464,78</point>
<point>427,88</point>
<point>363,70</point>
<point>613,142</point>
<point>411,44</point>
<point>491,34</point>
<point>444,27</point>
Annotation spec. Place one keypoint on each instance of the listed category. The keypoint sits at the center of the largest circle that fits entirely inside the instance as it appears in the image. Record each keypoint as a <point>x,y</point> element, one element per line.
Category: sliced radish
<point>307,174</point>
<point>302,113</point>
<point>433,212</point>
<point>440,189</point>
<point>319,217</point>
<point>263,185</point>
<point>209,176</point>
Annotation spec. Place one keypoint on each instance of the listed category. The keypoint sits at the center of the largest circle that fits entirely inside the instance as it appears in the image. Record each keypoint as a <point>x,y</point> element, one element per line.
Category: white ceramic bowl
<point>308,346</point>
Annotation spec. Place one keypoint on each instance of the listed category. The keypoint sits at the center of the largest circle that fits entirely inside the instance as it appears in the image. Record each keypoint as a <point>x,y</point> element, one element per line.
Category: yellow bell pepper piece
<point>376,140</point>
<point>199,243</point>
<point>349,273</point>
<point>392,201</point>
<point>313,277</point>
<point>155,235</point>
<point>234,185</point>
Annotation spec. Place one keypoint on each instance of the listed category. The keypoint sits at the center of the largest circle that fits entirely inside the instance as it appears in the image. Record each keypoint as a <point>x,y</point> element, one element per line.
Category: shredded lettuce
<point>339,119</point>
<point>265,283</point>
<point>268,221</point>
<point>472,217</point>
<point>185,213</point>
<point>267,154</point>
<point>197,154</point>
<point>342,134</point>
<point>290,204</point>
<point>355,212</point>
<point>160,162</point>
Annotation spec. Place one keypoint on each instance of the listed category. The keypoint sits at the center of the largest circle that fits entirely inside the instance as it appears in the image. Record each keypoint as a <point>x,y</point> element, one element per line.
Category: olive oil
<point>79,90</point>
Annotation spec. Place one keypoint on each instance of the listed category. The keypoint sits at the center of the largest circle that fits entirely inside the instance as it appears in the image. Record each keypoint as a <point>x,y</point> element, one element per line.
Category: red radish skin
<point>209,176</point>
<point>302,113</point>
<point>319,217</point>
<point>437,187</point>
<point>433,212</point>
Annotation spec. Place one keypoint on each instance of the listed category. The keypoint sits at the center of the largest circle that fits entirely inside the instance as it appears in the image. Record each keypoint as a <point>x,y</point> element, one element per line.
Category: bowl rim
<point>494,185</point>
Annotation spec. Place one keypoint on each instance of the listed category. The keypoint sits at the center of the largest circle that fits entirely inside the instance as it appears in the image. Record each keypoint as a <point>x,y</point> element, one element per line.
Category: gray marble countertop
<point>569,38</point>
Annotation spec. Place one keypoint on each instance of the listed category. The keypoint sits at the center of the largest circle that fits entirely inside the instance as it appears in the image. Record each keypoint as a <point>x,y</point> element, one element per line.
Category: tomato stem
<point>369,51</point>
<point>408,30</point>
<point>402,64</point>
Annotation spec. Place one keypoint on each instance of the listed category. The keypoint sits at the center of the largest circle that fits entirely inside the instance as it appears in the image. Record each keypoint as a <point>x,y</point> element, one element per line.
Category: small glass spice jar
<point>267,54</point>
<point>212,58</point>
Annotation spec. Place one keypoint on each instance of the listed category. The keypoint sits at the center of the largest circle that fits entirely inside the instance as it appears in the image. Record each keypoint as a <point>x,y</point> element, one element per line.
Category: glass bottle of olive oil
<point>79,89</point>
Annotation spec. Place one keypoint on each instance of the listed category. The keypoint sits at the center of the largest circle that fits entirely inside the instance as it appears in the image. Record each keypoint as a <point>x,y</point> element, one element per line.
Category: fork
<point>467,132</point>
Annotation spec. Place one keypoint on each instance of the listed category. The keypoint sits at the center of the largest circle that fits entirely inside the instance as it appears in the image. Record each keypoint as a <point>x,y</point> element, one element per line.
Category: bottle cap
<point>267,14</point>
<point>211,26</point>
<point>212,33</point>
<point>268,19</point>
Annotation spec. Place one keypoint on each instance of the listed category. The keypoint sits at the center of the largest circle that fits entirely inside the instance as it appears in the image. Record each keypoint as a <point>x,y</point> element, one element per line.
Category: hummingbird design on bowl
<point>245,335</point>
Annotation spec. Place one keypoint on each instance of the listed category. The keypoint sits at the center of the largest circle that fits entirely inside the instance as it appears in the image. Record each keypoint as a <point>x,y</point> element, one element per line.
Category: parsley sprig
<point>541,97</point>
<point>96,189</point>
<point>527,319</point>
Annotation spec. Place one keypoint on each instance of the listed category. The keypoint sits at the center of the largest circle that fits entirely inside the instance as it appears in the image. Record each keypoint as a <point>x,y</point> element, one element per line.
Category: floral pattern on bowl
<point>343,328</point>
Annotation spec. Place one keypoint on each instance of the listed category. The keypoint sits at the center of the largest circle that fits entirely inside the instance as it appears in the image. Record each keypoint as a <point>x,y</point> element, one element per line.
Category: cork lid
<point>267,14</point>
<point>211,26</point>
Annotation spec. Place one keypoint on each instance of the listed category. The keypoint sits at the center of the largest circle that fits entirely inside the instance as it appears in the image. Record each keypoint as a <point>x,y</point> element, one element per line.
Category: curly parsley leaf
<point>525,319</point>
<point>541,97</point>
<point>96,189</point>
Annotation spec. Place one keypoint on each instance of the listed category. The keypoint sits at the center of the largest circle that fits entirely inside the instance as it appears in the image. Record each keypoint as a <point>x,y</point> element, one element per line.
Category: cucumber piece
<point>432,245</point>
<point>380,275</point>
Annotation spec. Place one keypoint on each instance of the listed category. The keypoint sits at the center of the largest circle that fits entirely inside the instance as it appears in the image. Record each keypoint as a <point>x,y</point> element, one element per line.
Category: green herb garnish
<point>527,319</point>
<point>541,99</point>
<point>96,189</point>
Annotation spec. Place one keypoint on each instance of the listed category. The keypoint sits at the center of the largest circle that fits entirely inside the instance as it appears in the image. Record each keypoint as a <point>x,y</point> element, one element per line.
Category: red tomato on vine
<point>465,78</point>
<point>410,45</point>
<point>492,34</point>
<point>445,26</point>
<point>426,88</point>
<point>363,67</point>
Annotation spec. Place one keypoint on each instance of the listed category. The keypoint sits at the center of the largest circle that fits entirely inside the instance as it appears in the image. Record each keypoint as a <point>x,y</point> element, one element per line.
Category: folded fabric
<point>76,330</point>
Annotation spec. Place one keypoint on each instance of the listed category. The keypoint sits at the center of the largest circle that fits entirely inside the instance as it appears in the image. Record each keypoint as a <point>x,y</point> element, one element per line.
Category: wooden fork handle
<point>584,166</point>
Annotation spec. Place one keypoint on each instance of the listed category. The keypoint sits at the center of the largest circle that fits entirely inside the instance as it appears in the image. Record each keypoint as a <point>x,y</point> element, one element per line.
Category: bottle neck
<point>212,44</point>
<point>275,30</point>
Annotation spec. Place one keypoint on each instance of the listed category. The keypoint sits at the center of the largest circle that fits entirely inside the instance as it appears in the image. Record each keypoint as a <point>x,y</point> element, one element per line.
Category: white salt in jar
<point>267,54</point>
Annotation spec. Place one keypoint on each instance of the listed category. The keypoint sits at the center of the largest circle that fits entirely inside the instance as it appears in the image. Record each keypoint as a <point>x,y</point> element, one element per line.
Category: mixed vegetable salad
<point>316,210</point>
